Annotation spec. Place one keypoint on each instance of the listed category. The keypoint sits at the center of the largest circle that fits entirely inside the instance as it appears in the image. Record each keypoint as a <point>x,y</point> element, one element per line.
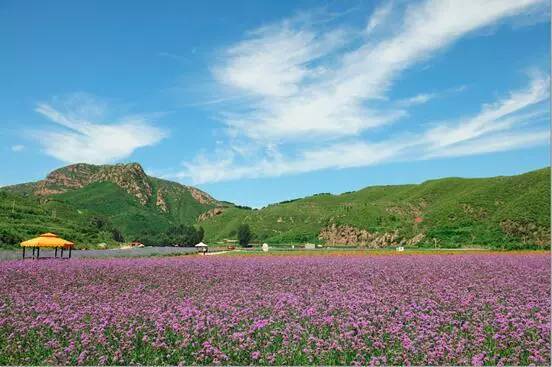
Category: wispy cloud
<point>494,143</point>
<point>498,127</point>
<point>17,148</point>
<point>416,100</point>
<point>83,136</point>
<point>274,60</point>
<point>493,116</point>
<point>378,17</point>
<point>303,84</point>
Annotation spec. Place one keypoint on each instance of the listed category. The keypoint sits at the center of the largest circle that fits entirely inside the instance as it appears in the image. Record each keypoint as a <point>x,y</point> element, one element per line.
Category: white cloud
<point>297,96</point>
<point>378,17</point>
<point>307,85</point>
<point>416,100</point>
<point>340,155</point>
<point>499,126</point>
<point>492,117</point>
<point>17,148</point>
<point>274,60</point>
<point>83,138</point>
<point>494,143</point>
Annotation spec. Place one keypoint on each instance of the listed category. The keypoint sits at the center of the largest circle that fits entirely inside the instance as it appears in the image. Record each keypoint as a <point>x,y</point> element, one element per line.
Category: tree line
<point>181,235</point>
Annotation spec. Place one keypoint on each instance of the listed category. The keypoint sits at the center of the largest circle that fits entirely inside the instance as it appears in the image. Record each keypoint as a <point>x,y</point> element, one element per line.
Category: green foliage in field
<point>506,212</point>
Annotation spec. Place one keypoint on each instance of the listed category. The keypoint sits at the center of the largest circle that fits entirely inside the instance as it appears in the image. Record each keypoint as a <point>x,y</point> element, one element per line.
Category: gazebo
<point>202,247</point>
<point>47,240</point>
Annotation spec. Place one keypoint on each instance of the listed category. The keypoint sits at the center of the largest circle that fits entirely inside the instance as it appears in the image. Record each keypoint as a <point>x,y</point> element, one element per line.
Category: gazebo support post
<point>23,251</point>
<point>70,252</point>
<point>38,253</point>
<point>55,253</point>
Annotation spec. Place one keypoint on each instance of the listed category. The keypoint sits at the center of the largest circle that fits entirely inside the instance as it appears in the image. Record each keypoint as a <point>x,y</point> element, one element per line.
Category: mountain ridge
<point>451,211</point>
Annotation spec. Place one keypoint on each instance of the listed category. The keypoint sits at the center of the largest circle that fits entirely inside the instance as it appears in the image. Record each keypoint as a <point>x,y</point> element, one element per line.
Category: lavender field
<point>413,309</point>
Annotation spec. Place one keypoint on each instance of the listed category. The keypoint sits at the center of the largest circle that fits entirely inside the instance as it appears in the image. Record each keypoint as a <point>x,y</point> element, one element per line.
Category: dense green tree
<point>244,234</point>
<point>200,233</point>
<point>9,237</point>
<point>100,223</point>
<point>117,235</point>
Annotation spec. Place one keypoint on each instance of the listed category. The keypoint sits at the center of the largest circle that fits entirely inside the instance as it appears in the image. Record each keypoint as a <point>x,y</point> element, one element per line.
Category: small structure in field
<point>136,244</point>
<point>202,247</point>
<point>47,240</point>
<point>265,247</point>
<point>310,246</point>
<point>400,249</point>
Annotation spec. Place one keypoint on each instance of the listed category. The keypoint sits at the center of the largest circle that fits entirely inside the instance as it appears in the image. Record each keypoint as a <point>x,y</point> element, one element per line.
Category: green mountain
<point>92,204</point>
<point>500,211</point>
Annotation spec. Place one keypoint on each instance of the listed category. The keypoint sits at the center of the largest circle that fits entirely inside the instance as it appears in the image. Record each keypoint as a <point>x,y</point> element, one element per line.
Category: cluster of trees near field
<point>181,235</point>
<point>184,235</point>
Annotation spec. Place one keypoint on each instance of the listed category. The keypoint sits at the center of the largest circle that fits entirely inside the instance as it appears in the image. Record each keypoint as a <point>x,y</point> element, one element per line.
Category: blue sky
<point>258,102</point>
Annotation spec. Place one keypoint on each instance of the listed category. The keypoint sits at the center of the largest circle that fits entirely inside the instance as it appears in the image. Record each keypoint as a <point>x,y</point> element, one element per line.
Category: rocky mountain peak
<point>66,178</point>
<point>130,177</point>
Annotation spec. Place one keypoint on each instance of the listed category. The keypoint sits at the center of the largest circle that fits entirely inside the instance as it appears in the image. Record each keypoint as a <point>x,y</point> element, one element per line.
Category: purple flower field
<point>413,309</point>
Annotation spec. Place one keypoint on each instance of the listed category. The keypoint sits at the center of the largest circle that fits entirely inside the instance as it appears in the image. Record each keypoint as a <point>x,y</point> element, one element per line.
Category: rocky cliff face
<point>210,213</point>
<point>160,201</point>
<point>348,235</point>
<point>200,196</point>
<point>527,232</point>
<point>70,177</point>
<point>130,177</point>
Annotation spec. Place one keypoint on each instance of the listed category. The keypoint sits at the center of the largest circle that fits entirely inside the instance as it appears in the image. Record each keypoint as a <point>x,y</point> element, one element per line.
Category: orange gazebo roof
<point>47,240</point>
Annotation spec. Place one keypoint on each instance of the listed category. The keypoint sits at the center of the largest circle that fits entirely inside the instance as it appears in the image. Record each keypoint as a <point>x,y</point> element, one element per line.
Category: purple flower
<point>381,310</point>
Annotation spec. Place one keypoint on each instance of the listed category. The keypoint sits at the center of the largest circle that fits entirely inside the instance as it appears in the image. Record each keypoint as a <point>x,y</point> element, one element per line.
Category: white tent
<point>202,247</point>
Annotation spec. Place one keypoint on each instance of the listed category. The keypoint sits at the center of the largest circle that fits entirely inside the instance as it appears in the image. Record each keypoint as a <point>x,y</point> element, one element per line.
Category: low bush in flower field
<point>419,309</point>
